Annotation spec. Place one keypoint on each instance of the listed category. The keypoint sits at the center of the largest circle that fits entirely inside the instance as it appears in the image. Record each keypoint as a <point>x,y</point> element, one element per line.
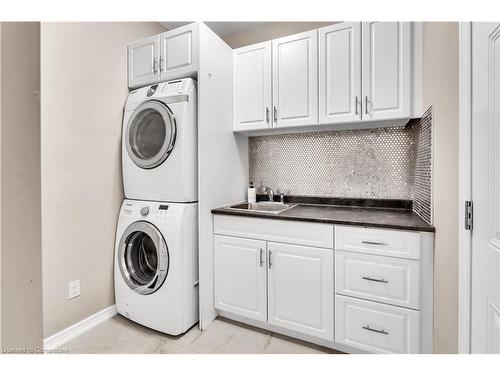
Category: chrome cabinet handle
<point>366,105</point>
<point>376,280</point>
<point>381,331</point>
<point>261,258</point>
<point>267,115</point>
<point>154,66</point>
<point>275,115</point>
<point>356,104</point>
<point>374,243</point>
<point>161,64</point>
<point>270,259</point>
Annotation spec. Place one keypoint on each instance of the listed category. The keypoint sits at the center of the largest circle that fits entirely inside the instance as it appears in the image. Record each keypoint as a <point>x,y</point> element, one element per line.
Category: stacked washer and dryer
<point>156,251</point>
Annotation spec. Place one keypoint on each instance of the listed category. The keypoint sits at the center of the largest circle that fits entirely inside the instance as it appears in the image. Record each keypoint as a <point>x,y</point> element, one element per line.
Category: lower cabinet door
<point>376,327</point>
<point>240,276</point>
<point>300,289</point>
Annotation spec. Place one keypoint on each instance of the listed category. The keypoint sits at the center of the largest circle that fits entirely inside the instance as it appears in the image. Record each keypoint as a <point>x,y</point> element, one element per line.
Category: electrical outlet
<point>73,289</point>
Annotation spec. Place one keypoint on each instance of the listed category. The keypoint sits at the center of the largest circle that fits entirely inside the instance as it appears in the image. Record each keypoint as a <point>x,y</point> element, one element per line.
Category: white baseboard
<point>68,334</point>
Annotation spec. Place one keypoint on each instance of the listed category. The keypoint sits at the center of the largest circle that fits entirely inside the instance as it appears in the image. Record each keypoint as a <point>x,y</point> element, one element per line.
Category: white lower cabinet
<point>299,286</point>
<point>350,288</point>
<point>300,289</point>
<point>376,327</point>
<point>240,276</point>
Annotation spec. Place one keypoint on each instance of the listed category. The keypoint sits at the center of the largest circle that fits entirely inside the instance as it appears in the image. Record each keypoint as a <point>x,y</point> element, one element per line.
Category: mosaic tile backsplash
<point>421,192</point>
<point>383,163</point>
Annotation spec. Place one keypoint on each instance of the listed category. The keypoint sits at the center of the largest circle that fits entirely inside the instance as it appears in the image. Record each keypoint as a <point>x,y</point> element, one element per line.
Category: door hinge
<point>468,215</point>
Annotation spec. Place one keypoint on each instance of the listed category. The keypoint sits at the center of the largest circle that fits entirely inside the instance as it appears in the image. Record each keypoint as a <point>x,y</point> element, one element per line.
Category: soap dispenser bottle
<point>252,196</point>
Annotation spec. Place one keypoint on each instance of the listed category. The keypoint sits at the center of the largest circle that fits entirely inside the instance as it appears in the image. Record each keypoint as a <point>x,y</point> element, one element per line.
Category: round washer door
<point>150,134</point>
<point>143,257</point>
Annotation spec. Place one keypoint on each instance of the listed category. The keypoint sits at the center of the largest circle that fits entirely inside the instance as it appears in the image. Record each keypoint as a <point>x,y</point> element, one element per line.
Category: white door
<point>143,59</point>
<point>252,87</point>
<point>340,73</point>
<point>300,282</point>
<point>386,70</point>
<point>179,57</point>
<point>485,308</point>
<point>240,276</point>
<point>295,80</point>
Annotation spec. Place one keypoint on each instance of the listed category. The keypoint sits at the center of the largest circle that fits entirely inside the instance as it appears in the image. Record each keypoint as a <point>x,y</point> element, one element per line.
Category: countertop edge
<point>225,211</point>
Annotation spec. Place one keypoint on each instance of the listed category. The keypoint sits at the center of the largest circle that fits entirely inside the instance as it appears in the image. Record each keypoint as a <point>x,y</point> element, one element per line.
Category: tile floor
<point>119,335</point>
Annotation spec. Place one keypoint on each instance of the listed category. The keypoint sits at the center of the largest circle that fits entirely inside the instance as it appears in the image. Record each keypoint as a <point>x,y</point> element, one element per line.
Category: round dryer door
<point>143,257</point>
<point>150,134</point>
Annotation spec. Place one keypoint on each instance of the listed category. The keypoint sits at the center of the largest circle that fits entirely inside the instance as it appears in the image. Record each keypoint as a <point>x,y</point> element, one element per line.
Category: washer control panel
<point>163,210</point>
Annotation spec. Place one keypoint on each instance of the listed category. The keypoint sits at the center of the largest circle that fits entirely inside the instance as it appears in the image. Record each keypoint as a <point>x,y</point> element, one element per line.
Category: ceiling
<point>220,28</point>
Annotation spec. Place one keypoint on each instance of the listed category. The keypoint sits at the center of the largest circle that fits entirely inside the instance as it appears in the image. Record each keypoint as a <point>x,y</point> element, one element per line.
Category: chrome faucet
<point>270,193</point>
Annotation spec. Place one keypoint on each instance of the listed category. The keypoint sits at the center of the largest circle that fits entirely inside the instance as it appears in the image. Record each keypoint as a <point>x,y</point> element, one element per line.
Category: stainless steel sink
<point>268,207</point>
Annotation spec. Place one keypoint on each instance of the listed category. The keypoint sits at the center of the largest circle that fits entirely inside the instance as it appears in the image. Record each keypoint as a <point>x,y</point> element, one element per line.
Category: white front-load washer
<point>159,143</point>
<point>156,265</point>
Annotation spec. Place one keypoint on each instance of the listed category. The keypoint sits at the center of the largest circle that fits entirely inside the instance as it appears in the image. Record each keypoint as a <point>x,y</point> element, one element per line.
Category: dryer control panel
<point>177,87</point>
<point>159,90</point>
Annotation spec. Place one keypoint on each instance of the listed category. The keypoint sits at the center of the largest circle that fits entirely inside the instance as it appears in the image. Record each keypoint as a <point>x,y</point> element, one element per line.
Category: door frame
<point>465,187</point>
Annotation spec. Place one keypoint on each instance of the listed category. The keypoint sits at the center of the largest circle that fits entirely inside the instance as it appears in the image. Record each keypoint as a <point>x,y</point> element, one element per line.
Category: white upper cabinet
<point>351,73</point>
<point>143,60</point>
<point>301,294</point>
<point>252,100</point>
<point>240,276</point>
<point>295,80</point>
<point>179,57</point>
<point>340,73</point>
<point>170,55</point>
<point>386,70</point>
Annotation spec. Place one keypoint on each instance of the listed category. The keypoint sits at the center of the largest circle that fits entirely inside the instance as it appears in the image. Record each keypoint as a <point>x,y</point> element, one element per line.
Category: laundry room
<point>296,186</point>
<point>184,245</point>
<point>158,212</point>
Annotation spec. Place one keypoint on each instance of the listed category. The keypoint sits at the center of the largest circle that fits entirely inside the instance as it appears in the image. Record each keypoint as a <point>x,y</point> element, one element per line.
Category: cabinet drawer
<point>395,243</point>
<point>379,278</point>
<point>376,327</point>
<point>285,231</point>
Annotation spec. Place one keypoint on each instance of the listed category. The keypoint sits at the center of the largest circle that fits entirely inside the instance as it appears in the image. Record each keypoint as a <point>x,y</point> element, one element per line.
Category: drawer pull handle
<point>381,331</point>
<point>376,280</point>
<point>374,243</point>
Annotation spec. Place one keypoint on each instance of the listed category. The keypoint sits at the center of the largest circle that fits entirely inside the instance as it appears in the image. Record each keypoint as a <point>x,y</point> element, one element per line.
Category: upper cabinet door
<point>340,73</point>
<point>252,87</point>
<point>295,80</point>
<point>386,70</point>
<point>300,289</point>
<point>179,52</point>
<point>143,62</point>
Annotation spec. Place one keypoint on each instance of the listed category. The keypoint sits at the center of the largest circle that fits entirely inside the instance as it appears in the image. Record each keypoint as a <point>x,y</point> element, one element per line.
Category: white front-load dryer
<point>156,265</point>
<point>159,143</point>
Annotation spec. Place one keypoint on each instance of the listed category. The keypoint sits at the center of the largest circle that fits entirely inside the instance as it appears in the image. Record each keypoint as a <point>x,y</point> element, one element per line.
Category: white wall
<point>84,87</point>
<point>21,294</point>
<point>217,146</point>
<point>440,89</point>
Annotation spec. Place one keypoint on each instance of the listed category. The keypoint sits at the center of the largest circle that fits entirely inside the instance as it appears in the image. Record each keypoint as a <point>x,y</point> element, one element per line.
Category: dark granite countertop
<point>380,217</point>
